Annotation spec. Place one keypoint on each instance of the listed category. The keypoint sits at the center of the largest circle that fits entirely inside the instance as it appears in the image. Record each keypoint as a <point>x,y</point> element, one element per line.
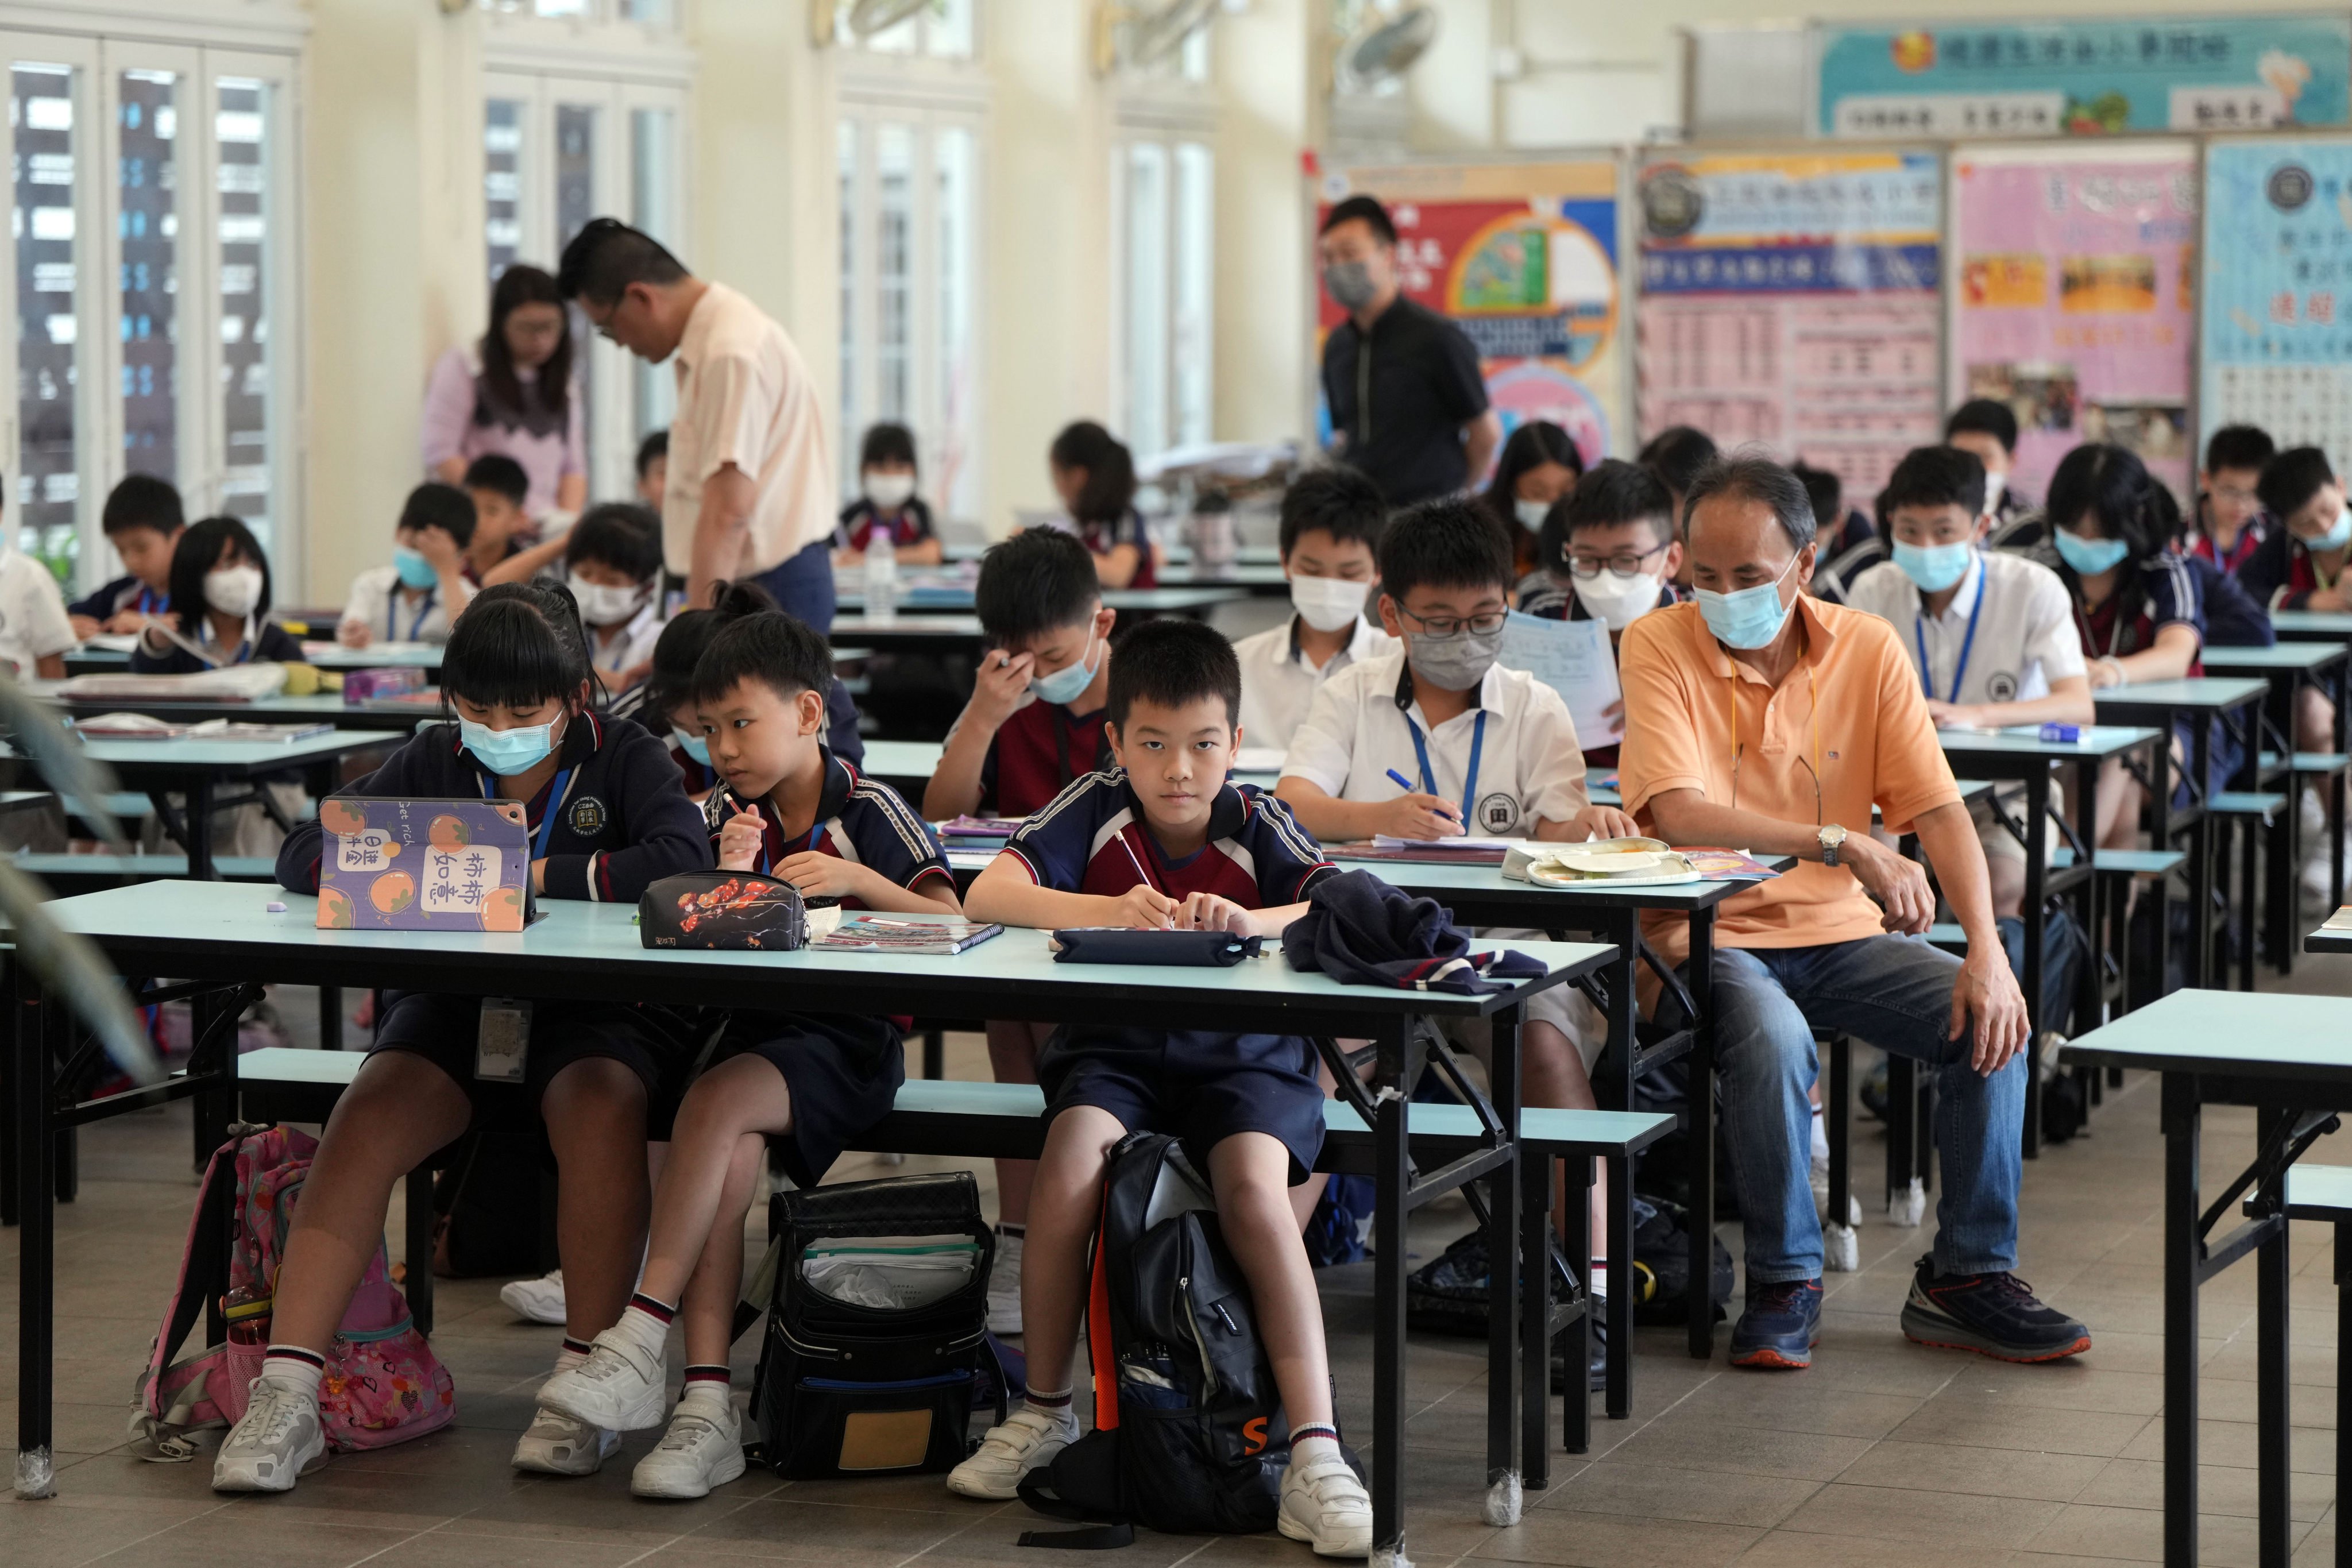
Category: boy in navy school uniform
<point>142,521</point>
<point>1035,721</point>
<point>498,487</point>
<point>2299,565</point>
<point>786,807</point>
<point>2231,521</point>
<point>1164,838</point>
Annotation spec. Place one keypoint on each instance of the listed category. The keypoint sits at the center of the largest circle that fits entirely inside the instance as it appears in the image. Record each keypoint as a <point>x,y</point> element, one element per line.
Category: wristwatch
<point>1833,839</point>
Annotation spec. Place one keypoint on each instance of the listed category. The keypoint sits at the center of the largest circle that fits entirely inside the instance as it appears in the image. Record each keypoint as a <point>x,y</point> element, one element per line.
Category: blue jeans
<point>803,585</point>
<point>1896,993</point>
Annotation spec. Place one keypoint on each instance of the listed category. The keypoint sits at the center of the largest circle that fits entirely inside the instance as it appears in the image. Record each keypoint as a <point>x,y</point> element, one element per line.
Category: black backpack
<point>849,1388</point>
<point>1190,1437</point>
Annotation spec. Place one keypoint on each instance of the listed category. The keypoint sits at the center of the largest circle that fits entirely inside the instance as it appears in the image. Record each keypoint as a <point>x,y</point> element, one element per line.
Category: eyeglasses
<point>1445,626</point>
<point>1587,568</point>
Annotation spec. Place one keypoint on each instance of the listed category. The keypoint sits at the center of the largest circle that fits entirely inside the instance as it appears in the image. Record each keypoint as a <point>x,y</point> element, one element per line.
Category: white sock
<point>1053,1404</point>
<point>646,1331</point>
<point>567,1358</point>
<point>1598,1277</point>
<point>1307,1447</point>
<point>291,1366</point>
<point>710,1399</point>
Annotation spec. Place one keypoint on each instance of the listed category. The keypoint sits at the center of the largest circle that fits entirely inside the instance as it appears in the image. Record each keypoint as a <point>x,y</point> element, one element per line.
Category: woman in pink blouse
<point>513,393</point>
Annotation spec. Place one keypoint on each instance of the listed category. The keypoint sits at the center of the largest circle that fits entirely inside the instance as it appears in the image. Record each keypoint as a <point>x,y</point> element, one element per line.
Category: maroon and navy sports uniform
<point>910,524</point>
<point>2280,572</point>
<point>1036,754</point>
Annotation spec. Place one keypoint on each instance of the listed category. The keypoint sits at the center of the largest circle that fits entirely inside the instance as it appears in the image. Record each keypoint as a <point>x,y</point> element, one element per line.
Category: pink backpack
<point>382,1383</point>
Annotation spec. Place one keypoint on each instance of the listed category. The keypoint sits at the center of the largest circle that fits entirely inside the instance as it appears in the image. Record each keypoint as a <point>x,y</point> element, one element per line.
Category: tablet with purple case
<point>392,864</point>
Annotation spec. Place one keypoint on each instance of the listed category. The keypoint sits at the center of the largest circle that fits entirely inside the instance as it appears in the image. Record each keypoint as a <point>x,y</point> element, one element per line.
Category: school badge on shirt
<point>587,817</point>
<point>1498,813</point>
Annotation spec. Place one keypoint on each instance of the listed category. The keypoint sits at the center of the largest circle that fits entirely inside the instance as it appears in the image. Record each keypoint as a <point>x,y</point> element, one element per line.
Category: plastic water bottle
<point>881,578</point>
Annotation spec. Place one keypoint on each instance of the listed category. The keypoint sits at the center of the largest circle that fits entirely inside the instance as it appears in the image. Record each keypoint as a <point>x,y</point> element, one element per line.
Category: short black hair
<point>2291,478</point>
<point>1750,476</point>
<point>656,446</point>
<point>143,500</point>
<point>679,648</point>
<point>887,443</point>
<point>1444,544</point>
<point>624,535</point>
<point>501,475</point>
<point>1337,500</point>
<point>607,256</point>
<point>2111,483</point>
<point>517,645</point>
<point>1824,490</point>
<point>1173,661</point>
<point>1367,208</point>
<point>435,505</point>
<point>2240,447</point>
<point>1931,476</point>
<point>1613,494</point>
<point>1677,454</point>
<point>202,547</point>
<point>780,651</point>
<point>1110,468</point>
<point>1037,581</point>
<point>1986,417</point>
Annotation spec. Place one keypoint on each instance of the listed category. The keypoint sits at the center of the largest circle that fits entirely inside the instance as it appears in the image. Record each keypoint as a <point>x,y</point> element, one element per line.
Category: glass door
<point>245,367</point>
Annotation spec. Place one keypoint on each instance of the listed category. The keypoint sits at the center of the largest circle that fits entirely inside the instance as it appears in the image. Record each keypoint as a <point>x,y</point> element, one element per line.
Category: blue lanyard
<point>150,603</point>
<point>767,861</point>
<point>391,613</point>
<point>547,817</point>
<point>1919,634</point>
<point>1469,779</point>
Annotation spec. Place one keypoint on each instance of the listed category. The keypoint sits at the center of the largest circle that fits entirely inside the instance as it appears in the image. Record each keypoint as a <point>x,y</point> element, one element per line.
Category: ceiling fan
<point>1145,32</point>
<point>1387,45</point>
<point>867,17</point>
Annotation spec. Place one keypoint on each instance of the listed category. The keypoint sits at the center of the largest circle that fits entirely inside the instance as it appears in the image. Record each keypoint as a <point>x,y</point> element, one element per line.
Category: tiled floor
<point>1883,1454</point>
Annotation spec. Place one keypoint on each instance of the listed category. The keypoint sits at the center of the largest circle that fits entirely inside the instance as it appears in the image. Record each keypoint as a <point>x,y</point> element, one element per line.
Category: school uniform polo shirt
<point>1278,683</point>
<point>1528,764</point>
<point>377,602</point>
<point>2256,529</point>
<point>858,819</point>
<point>631,643</point>
<point>1036,754</point>
<point>128,592</point>
<point>1094,839</point>
<point>860,517</point>
<point>1128,527</point>
<point>2281,573</point>
<point>2008,634</point>
<point>1846,729</point>
<point>2165,592</point>
<point>33,622</point>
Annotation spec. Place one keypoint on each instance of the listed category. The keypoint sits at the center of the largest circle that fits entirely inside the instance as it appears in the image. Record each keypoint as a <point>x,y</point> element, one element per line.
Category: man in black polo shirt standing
<point>1408,405</point>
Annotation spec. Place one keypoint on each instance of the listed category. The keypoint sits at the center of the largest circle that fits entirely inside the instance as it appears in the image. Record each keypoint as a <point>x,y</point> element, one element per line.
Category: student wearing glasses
<point>1761,716</point>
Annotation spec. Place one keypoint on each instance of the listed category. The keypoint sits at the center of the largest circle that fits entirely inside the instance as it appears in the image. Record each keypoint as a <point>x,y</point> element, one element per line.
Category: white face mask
<point>1618,601</point>
<point>1328,603</point>
<point>233,590</point>
<point>889,491</point>
<point>1531,513</point>
<point>601,604</point>
<point>1994,485</point>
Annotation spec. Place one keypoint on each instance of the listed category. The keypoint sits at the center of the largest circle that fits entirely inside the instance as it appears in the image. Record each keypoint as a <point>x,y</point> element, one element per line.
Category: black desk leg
<point>418,1245</point>
<point>2037,873</point>
<point>1532,1272</point>
<point>1535,1351</point>
<point>331,1017</point>
<point>2272,1438</point>
<point>2342,1384</point>
<point>1389,1175</point>
<point>2200,859</point>
<point>1576,1391</point>
<point>935,1053</point>
<point>35,1245</point>
<point>1624,1013</point>
<point>2160,773</point>
<point>2183,1260</point>
<point>1700,1294</point>
<point>20,1020</point>
<point>200,829</point>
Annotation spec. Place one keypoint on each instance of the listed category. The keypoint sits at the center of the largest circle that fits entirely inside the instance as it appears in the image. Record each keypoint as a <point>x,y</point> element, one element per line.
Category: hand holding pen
<point>1420,816</point>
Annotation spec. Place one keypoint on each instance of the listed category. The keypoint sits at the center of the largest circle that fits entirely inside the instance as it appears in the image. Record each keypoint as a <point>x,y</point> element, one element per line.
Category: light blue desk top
<point>2097,740</point>
<point>2249,1034</point>
<point>2280,656</point>
<point>1165,600</point>
<point>2202,694</point>
<point>180,751</point>
<point>857,629</point>
<point>901,760</point>
<point>425,656</point>
<point>223,922</point>
<point>2311,622</point>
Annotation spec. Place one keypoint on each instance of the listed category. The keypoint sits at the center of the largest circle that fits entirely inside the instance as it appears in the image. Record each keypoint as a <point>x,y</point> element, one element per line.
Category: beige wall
<point>1269,59</point>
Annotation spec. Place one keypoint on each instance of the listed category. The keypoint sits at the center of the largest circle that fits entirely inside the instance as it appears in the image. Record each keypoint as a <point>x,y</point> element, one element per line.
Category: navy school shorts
<point>657,1045</point>
<point>1201,1087</point>
<point>842,1071</point>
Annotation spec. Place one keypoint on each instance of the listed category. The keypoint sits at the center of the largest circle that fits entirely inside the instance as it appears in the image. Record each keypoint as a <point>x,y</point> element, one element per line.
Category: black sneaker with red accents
<point>1992,1314</point>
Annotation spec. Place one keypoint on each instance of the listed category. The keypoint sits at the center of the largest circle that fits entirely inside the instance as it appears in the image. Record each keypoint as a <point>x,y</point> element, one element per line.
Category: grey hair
<point>1751,476</point>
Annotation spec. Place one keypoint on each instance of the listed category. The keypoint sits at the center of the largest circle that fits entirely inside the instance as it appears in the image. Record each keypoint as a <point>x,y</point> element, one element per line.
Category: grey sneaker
<point>703,1448</point>
<point>557,1444</point>
<point>618,1388</point>
<point>278,1441</point>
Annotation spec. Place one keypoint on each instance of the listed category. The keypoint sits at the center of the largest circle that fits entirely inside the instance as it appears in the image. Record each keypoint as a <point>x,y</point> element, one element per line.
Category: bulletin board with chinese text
<point>2274,333</point>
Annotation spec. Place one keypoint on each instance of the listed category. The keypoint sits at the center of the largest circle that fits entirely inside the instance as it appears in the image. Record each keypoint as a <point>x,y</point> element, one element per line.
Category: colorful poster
<point>1791,299</point>
<point>1523,257</point>
<point>2275,344</point>
<point>2073,276</point>
<point>2091,77</point>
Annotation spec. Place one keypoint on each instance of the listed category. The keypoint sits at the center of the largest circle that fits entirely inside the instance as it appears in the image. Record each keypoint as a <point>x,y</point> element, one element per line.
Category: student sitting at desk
<point>788,809</point>
<point>1331,520</point>
<point>1164,837</point>
<point>1985,428</point>
<point>2231,521</point>
<point>1538,469</point>
<point>415,598</point>
<point>141,521</point>
<point>2138,611</point>
<point>220,607</point>
<point>613,565</point>
<point>2299,565</point>
<point>1991,634</point>
<point>35,632</point>
<point>498,485</point>
<point>516,675</point>
<point>1763,717</point>
<point>1094,473</point>
<point>887,503</point>
<point>653,469</point>
<point>1849,545</point>
<point>1676,455</point>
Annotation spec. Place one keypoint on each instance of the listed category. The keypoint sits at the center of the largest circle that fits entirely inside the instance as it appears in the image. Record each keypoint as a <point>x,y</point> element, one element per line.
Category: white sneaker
<point>538,1301</point>
<point>1004,1288</point>
<point>618,1388</point>
<point>1325,1506</point>
<point>1010,1452</point>
<point>556,1444</point>
<point>278,1441</point>
<point>703,1448</point>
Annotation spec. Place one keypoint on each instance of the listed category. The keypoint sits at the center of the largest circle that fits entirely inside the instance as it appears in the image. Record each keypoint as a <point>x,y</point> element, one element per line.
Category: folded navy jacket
<point>1362,932</point>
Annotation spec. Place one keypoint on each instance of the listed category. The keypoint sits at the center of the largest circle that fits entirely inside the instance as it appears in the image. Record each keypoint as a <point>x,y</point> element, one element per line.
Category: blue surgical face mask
<point>1065,686</point>
<point>693,745</point>
<point>2337,536</point>
<point>2088,557</point>
<point>507,753</point>
<point>415,572</point>
<point>1750,617</point>
<point>1934,567</point>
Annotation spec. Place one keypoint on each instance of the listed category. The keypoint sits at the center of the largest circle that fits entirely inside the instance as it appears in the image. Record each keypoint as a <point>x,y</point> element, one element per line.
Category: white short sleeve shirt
<point>2025,637</point>
<point>33,622</point>
<point>1278,684</point>
<point>1529,765</point>
<point>377,602</point>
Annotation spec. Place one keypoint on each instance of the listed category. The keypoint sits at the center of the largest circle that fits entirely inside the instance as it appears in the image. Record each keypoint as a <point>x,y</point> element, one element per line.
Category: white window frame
<point>1171,111</point>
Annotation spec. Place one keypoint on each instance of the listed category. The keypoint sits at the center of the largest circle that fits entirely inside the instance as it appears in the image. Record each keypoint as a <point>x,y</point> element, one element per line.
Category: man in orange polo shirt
<point>1762,718</point>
